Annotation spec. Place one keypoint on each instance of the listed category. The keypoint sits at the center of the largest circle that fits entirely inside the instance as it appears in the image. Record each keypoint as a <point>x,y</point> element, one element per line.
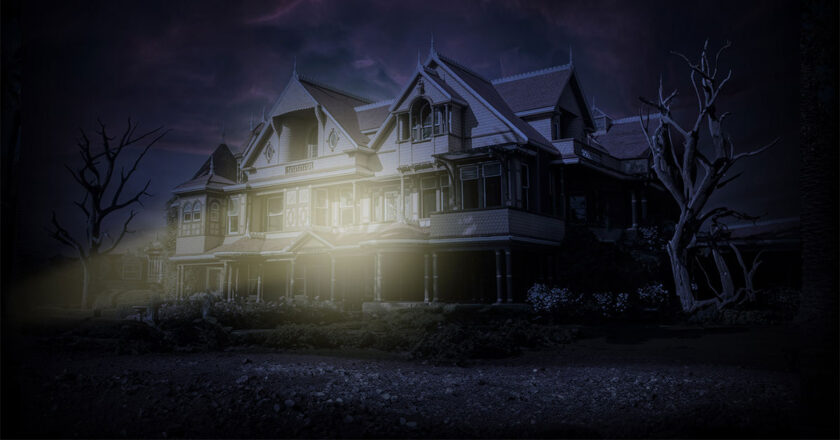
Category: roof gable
<point>533,90</point>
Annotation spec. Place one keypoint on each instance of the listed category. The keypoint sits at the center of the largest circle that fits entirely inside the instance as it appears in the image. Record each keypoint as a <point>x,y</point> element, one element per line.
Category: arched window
<point>213,217</point>
<point>312,143</point>
<point>196,212</point>
<point>421,120</point>
<point>187,210</point>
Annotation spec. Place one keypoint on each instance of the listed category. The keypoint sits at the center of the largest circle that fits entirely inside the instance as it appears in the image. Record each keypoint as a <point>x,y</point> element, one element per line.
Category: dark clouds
<point>200,67</point>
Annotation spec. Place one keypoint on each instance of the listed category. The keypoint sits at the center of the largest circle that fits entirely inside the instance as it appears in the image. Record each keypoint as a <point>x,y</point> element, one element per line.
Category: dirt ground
<point>624,381</point>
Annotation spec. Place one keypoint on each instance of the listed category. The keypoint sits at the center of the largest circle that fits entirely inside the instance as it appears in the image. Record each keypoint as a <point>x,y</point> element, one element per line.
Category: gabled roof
<point>624,139</point>
<point>340,105</point>
<point>533,90</point>
<point>371,116</point>
<point>487,92</point>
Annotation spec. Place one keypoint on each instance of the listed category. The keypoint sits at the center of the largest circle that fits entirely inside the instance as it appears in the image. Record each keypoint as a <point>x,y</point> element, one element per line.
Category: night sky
<point>198,68</point>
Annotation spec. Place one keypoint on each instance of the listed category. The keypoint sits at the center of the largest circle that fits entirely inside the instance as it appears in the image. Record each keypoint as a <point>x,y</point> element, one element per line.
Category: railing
<point>299,168</point>
<point>500,221</point>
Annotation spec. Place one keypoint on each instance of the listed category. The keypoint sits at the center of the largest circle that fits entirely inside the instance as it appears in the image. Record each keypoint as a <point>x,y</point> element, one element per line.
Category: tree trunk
<point>727,287</point>
<point>682,280</point>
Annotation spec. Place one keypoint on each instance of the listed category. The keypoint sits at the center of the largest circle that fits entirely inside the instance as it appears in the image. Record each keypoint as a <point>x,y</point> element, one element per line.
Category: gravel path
<point>597,387</point>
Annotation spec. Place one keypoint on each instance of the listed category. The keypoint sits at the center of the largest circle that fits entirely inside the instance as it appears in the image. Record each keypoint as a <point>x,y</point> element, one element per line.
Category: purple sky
<point>196,67</point>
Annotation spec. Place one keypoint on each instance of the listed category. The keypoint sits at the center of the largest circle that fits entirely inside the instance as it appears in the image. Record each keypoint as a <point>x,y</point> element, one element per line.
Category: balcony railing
<point>494,222</point>
<point>299,168</point>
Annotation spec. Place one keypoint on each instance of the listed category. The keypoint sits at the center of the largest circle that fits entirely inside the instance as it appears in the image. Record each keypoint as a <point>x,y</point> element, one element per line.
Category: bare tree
<point>104,196</point>
<point>691,174</point>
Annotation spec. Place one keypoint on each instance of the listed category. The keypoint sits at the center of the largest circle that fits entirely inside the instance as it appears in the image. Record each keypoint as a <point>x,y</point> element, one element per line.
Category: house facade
<point>459,189</point>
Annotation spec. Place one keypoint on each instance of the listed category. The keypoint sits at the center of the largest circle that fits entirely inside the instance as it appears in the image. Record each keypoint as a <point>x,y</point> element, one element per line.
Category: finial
<point>570,55</point>
<point>294,67</point>
<point>432,44</point>
<point>419,63</point>
<point>212,166</point>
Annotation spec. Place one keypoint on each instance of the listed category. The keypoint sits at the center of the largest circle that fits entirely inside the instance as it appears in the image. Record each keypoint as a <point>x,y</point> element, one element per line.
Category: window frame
<point>269,215</point>
<point>233,211</point>
<point>316,209</point>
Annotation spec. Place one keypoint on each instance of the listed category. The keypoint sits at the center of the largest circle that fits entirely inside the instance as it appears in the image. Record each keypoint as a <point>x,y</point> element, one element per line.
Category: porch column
<point>401,210</point>
<point>236,282</point>
<point>377,277</point>
<point>509,273</point>
<point>179,286</point>
<point>259,283</point>
<point>291,293</point>
<point>226,280</point>
<point>332,276</point>
<point>633,209</point>
<point>426,278</point>
<point>435,277</point>
<point>498,276</point>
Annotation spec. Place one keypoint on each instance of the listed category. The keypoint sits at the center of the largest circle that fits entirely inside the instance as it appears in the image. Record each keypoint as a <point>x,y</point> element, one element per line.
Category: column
<point>259,283</point>
<point>377,277</point>
<point>509,273</point>
<point>426,278</point>
<point>226,280</point>
<point>236,281</point>
<point>633,209</point>
<point>435,277</point>
<point>644,207</point>
<point>498,276</point>
<point>291,293</point>
<point>401,211</point>
<point>332,276</point>
<point>179,286</point>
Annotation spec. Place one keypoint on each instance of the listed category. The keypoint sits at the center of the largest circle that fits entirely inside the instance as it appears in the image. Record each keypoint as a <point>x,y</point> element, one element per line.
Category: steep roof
<point>488,92</point>
<point>371,116</point>
<point>624,139</point>
<point>218,170</point>
<point>533,90</point>
<point>341,105</point>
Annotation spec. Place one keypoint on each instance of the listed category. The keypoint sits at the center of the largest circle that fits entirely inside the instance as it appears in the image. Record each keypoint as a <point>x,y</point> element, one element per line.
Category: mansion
<point>459,189</point>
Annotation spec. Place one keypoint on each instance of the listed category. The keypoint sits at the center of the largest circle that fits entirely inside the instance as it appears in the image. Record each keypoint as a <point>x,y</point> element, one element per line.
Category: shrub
<point>653,295</point>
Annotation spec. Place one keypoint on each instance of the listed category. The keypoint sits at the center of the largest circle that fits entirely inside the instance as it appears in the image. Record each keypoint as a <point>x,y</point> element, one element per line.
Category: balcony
<point>496,222</point>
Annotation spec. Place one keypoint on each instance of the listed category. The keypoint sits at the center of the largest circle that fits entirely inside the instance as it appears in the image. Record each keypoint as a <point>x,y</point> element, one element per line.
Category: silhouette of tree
<point>104,196</point>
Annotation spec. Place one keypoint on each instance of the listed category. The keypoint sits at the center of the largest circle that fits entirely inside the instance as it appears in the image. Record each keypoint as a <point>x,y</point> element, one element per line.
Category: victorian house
<point>459,189</point>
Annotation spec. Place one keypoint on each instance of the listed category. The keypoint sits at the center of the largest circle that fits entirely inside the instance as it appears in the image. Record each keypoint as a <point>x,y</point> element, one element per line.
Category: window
<point>274,214</point>
<point>347,207</point>
<point>492,184</point>
<point>429,198</point>
<point>195,225</point>
<point>187,213</point>
<point>391,199</point>
<point>555,128</point>
<point>526,185</point>
<point>214,217</point>
<point>321,207</point>
<point>577,208</point>
<point>421,120</point>
<point>312,143</point>
<point>233,216</point>
<point>469,187</point>
<point>438,120</point>
<point>377,207</point>
<point>402,127</point>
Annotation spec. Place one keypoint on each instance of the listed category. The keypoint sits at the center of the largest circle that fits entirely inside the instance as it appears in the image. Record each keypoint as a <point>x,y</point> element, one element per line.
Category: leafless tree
<point>691,174</point>
<point>103,195</point>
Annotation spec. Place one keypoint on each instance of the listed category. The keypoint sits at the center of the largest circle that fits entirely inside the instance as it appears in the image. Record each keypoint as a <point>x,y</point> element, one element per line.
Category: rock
<point>386,396</point>
<point>348,419</point>
<point>246,361</point>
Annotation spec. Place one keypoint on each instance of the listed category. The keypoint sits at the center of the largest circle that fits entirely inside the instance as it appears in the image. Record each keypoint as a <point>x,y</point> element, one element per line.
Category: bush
<point>564,305</point>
